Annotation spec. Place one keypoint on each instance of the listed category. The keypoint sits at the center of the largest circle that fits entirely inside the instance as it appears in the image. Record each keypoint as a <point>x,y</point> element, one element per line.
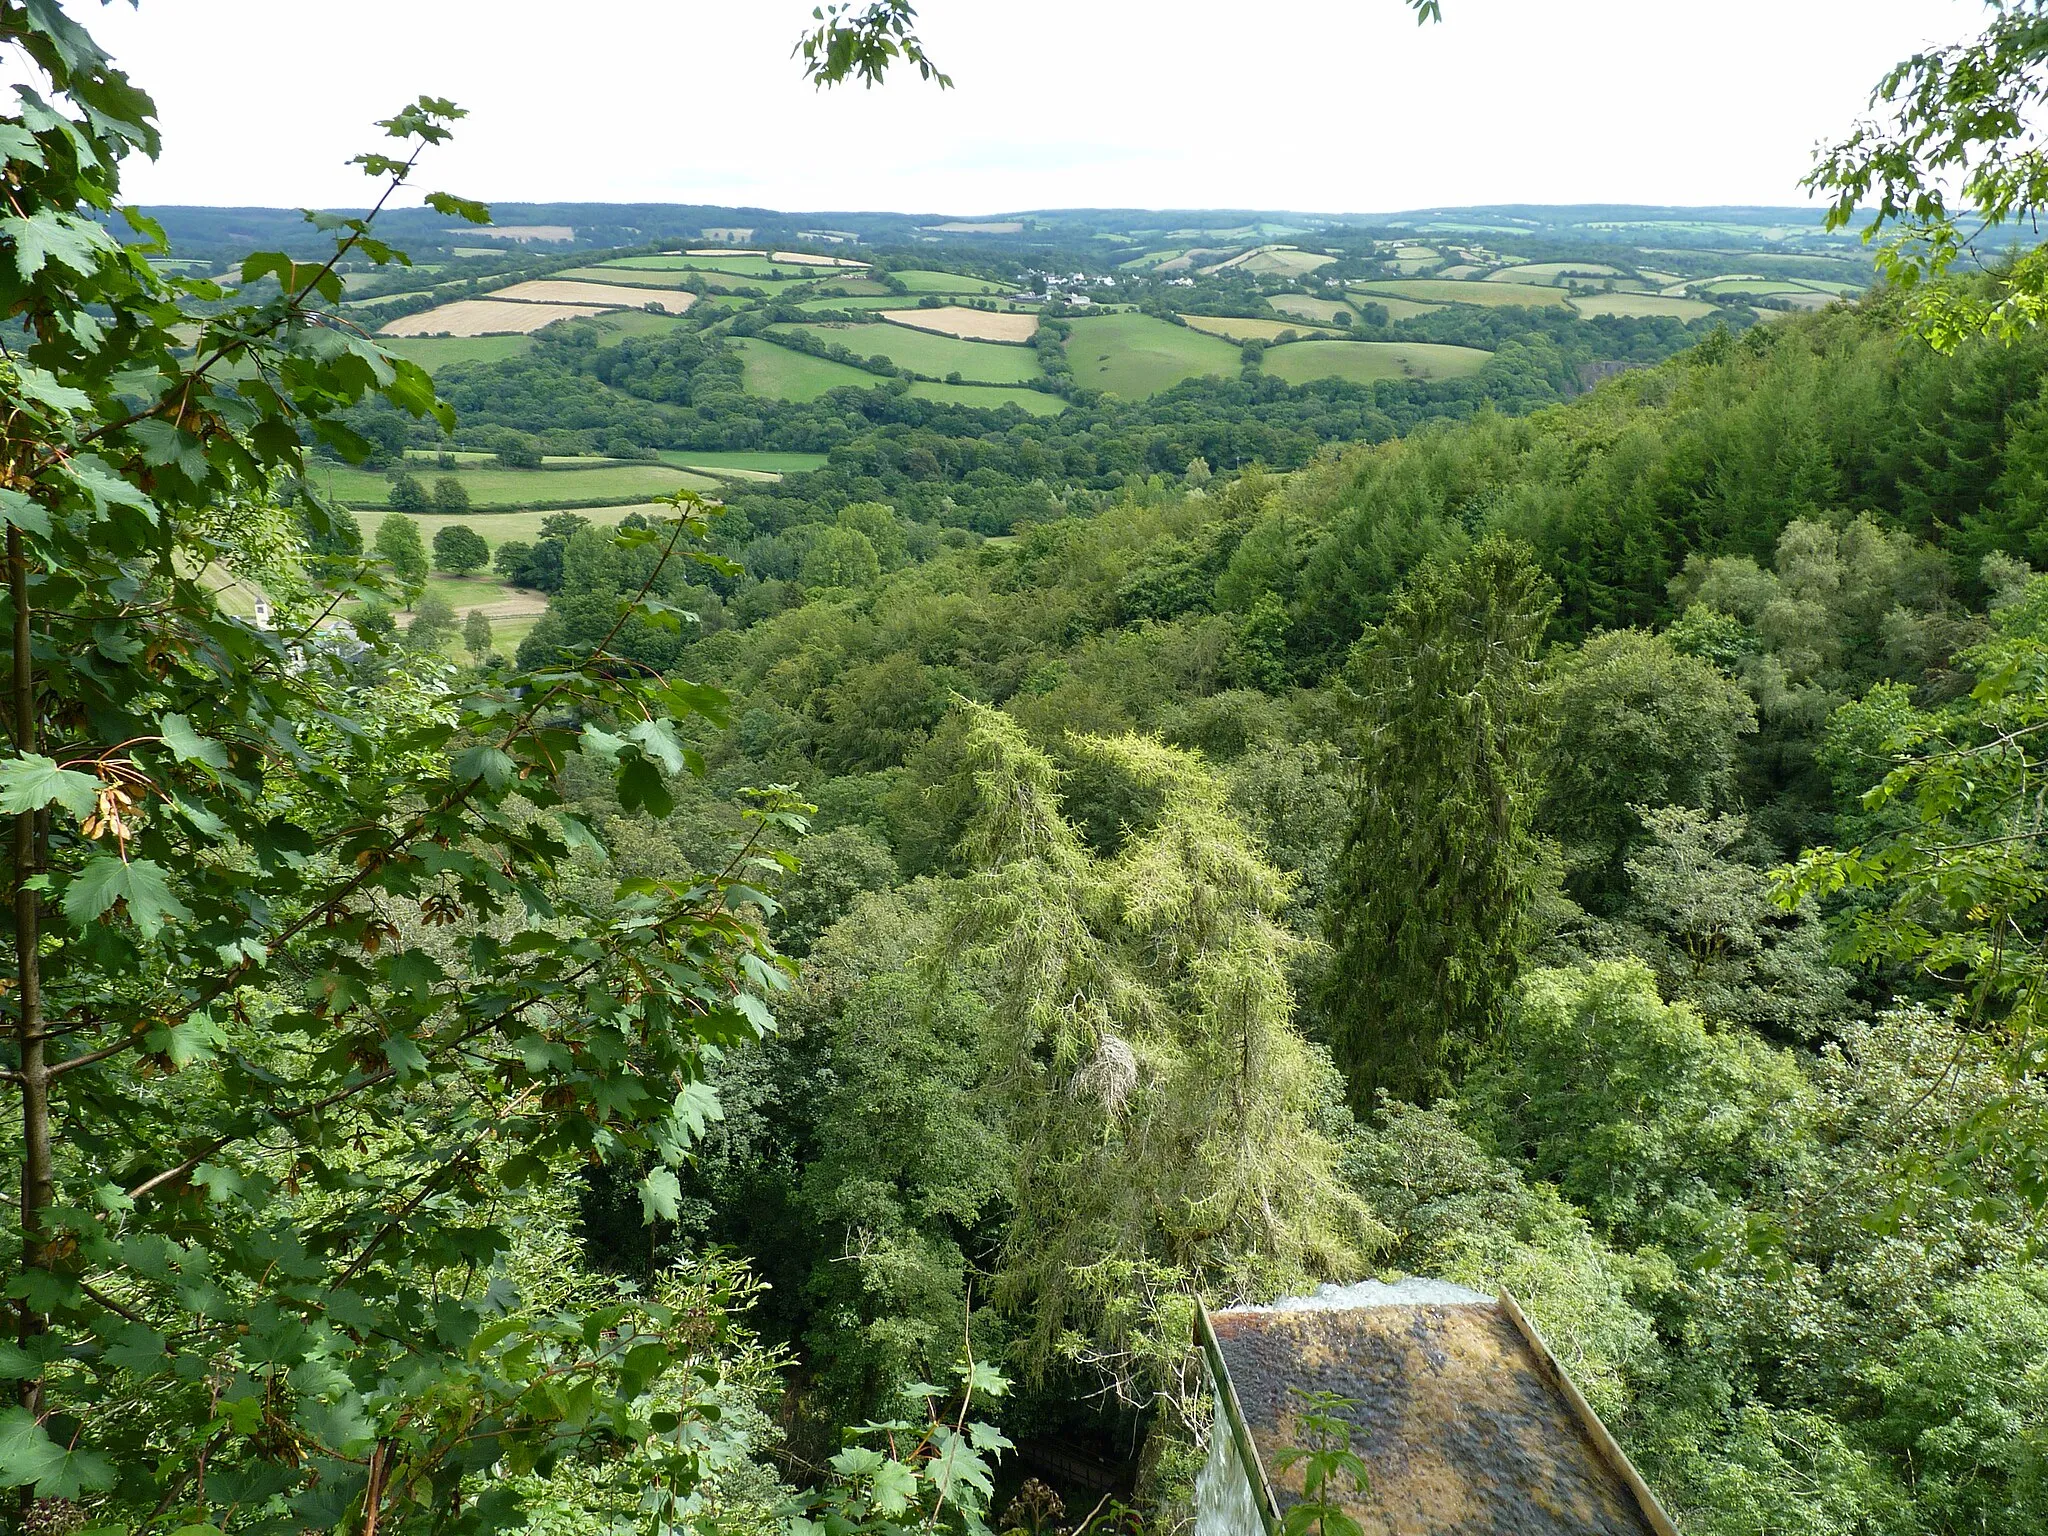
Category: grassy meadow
<point>1134,355</point>
<point>492,486</point>
<point>990,397</point>
<point>1443,291</point>
<point>1641,306</point>
<point>1367,362</point>
<point>781,374</point>
<point>1237,328</point>
<point>930,353</point>
<point>432,352</point>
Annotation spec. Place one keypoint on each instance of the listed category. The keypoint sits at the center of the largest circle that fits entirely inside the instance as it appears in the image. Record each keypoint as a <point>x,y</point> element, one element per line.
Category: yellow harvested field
<point>969,324</point>
<point>487,317</point>
<point>804,259</point>
<point>550,290</point>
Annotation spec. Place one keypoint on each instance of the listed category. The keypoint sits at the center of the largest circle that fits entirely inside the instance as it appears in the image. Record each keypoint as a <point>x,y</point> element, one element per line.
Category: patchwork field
<point>1439,291</point>
<point>927,353</point>
<point>491,486</point>
<point>1552,272</point>
<point>968,324</point>
<point>1274,261</point>
<point>1237,328</point>
<point>745,461</point>
<point>1641,306</point>
<point>782,374</point>
<point>990,397</point>
<point>1303,307</point>
<point>1367,362</point>
<point>432,352</point>
<point>806,259</point>
<point>561,291</point>
<point>1397,309</point>
<point>945,282</point>
<point>629,277</point>
<point>1134,355</point>
<point>731,266</point>
<point>485,317</point>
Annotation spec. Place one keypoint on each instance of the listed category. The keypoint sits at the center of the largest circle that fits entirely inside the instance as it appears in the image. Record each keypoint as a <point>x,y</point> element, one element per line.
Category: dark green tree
<point>1430,904</point>
<point>459,550</point>
<point>407,494</point>
<point>476,635</point>
<point>450,497</point>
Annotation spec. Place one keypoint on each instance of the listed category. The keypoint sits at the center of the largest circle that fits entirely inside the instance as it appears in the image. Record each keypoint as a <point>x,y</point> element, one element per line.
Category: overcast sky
<point>1325,105</point>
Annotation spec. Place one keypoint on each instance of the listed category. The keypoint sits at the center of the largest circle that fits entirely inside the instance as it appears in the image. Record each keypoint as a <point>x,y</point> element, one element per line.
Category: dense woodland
<point>1440,786</point>
<point>791,1048</point>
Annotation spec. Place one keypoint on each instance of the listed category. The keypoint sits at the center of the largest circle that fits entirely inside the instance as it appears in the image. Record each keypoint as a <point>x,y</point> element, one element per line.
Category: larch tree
<point>1162,1106</point>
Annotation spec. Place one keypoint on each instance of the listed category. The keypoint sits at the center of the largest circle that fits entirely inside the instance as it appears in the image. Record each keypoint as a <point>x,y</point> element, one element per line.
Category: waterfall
<point>1224,1505</point>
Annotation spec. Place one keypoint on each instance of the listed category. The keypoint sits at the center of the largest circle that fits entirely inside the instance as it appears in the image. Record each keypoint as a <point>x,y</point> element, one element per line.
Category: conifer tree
<point>1161,1103</point>
<point>1430,903</point>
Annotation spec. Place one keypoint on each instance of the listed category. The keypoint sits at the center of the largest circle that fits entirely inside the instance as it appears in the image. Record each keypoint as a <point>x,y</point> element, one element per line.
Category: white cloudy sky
<point>1337,105</point>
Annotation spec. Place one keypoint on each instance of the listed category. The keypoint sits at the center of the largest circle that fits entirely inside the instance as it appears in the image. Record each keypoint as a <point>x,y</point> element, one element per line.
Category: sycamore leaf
<point>31,781</point>
<point>659,1195</point>
<point>45,237</point>
<point>139,885</point>
<point>188,746</point>
<point>24,512</point>
<point>29,1456</point>
<point>895,1485</point>
<point>42,386</point>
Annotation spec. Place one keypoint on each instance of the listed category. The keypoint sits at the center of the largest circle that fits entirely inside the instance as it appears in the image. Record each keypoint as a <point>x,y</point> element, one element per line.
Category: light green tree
<point>399,544</point>
<point>1161,1103</point>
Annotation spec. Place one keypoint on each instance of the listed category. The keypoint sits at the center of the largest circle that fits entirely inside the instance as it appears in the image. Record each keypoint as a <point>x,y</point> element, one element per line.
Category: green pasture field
<point>754,461</point>
<point>946,282</point>
<point>853,305</point>
<point>1237,328</point>
<point>1134,355</point>
<point>1303,307</point>
<point>1418,253</point>
<point>990,396</point>
<point>731,266</point>
<point>1641,306</point>
<point>931,354</point>
<point>621,323</point>
<point>1397,309</point>
<point>1437,291</point>
<point>1553,272</point>
<point>630,277</point>
<point>1283,263</point>
<point>781,374</point>
<point>1367,362</point>
<point>858,287</point>
<point>432,352</point>
<point>494,487</point>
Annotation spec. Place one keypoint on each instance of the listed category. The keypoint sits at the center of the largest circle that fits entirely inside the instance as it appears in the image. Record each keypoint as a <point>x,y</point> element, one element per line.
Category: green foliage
<point>1638,724</point>
<point>450,496</point>
<point>399,545</point>
<point>476,635</point>
<point>302,1011</point>
<point>1330,1469</point>
<point>1162,1108</point>
<point>459,550</point>
<point>1431,898</point>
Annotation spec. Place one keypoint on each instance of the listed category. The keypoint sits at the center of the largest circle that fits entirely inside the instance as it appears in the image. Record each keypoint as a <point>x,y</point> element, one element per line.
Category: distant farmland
<point>1367,362</point>
<point>1236,328</point>
<point>1134,355</point>
<point>968,324</point>
<point>1442,291</point>
<point>486,317</point>
<point>927,353</point>
<point>781,374</point>
<point>561,291</point>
